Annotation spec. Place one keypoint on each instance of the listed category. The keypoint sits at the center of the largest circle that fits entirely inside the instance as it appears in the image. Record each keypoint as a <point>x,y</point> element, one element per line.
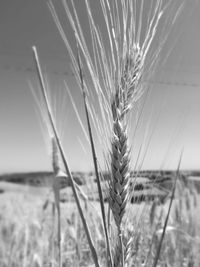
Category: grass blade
<point>94,157</point>
<point>167,217</point>
<point>55,132</point>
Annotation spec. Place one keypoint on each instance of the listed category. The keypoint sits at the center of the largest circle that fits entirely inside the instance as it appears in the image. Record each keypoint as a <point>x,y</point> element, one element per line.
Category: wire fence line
<point>28,69</point>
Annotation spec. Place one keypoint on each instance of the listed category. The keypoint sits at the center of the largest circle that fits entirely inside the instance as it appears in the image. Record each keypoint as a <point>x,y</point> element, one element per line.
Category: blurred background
<point>171,113</point>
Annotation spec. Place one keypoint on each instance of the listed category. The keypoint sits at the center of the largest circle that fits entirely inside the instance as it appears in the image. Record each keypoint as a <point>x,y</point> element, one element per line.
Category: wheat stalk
<point>168,213</point>
<point>56,190</point>
<point>109,262</point>
<point>116,71</point>
<point>60,147</point>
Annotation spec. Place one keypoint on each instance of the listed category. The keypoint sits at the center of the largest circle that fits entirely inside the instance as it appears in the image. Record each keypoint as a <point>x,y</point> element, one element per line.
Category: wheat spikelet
<point>187,200</point>
<point>152,213</point>
<point>128,88</point>
<point>55,157</point>
<point>130,248</point>
<point>120,152</point>
<point>120,156</point>
<point>120,173</point>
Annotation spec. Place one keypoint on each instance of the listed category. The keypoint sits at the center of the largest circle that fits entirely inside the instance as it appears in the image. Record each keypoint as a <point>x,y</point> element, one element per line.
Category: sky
<point>172,109</point>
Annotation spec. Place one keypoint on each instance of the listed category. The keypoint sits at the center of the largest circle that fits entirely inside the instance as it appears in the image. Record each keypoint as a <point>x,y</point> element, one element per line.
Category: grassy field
<point>28,228</point>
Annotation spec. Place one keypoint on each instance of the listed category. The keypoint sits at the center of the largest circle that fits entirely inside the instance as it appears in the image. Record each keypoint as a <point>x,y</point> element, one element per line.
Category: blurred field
<point>28,227</point>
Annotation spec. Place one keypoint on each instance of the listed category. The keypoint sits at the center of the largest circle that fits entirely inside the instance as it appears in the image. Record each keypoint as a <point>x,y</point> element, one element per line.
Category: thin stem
<point>167,217</point>
<point>52,123</point>
<point>57,204</point>
<point>121,247</point>
<point>94,158</point>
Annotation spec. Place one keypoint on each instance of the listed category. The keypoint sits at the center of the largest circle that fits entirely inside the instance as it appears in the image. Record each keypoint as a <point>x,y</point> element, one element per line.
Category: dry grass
<point>28,224</point>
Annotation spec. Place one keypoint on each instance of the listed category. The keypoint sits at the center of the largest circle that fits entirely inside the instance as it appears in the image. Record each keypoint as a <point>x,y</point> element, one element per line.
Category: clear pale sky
<point>173,104</point>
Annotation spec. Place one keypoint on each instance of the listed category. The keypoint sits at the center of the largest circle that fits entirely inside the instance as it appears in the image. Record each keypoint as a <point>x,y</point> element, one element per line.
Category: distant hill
<point>147,186</point>
<point>46,178</point>
<point>40,178</point>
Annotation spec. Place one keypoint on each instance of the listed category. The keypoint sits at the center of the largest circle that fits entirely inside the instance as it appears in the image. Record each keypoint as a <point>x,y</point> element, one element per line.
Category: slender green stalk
<point>56,190</point>
<point>121,247</point>
<point>94,159</point>
<point>52,123</point>
<point>167,217</point>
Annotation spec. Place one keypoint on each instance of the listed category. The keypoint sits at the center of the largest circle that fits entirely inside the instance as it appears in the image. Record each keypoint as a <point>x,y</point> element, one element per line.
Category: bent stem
<point>94,159</point>
<point>55,132</point>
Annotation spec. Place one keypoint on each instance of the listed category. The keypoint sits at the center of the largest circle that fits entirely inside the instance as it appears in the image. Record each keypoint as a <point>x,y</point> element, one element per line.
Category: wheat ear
<point>120,156</point>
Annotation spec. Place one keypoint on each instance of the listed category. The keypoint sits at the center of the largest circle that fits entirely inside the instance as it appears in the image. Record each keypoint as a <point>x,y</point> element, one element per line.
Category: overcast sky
<point>173,104</point>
